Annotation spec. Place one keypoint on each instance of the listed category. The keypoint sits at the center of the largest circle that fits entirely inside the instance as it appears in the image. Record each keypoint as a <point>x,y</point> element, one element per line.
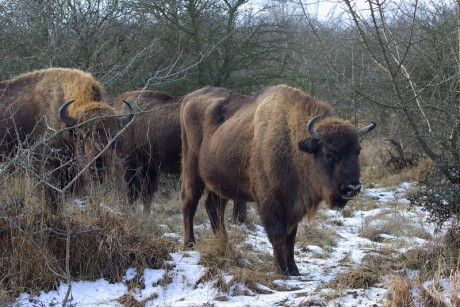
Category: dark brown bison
<point>280,148</point>
<point>152,144</point>
<point>44,101</point>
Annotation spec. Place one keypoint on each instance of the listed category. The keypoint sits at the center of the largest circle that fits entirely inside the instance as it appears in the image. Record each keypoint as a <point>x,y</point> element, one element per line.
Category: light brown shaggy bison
<point>44,101</point>
<point>152,144</point>
<point>280,148</point>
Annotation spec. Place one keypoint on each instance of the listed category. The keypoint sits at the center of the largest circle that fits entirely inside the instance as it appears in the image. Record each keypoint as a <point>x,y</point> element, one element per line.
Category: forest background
<point>393,62</point>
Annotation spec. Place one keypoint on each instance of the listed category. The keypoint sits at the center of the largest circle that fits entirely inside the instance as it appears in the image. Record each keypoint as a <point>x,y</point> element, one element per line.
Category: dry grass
<point>372,161</point>
<point>317,233</point>
<point>361,277</point>
<point>235,267</point>
<point>437,258</point>
<point>410,174</point>
<point>232,255</point>
<point>405,291</point>
<point>108,237</point>
<point>104,248</point>
<point>392,222</point>
<point>399,291</point>
<point>375,265</point>
<point>437,265</point>
<point>104,243</point>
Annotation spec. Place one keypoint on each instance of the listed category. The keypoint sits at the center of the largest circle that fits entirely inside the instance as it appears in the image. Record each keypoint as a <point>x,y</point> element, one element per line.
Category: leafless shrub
<point>438,196</point>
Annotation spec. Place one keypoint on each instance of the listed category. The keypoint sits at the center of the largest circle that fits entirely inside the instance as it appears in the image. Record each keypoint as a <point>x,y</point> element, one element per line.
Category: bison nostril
<point>351,190</point>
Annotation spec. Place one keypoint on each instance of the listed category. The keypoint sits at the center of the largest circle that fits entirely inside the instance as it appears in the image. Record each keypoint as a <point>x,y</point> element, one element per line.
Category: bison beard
<point>271,148</point>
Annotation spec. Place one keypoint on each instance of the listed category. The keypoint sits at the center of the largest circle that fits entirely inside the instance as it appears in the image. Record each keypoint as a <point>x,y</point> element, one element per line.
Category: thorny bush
<point>438,197</point>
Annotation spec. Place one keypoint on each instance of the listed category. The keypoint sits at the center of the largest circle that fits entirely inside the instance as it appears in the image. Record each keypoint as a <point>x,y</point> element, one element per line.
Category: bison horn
<point>310,129</point>
<point>367,129</point>
<point>127,118</point>
<point>68,120</point>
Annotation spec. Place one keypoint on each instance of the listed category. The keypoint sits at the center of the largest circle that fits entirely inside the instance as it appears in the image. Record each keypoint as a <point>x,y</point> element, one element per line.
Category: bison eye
<point>329,156</point>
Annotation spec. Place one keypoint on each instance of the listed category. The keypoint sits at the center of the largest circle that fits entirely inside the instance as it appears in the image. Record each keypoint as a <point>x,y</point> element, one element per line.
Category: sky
<point>323,9</point>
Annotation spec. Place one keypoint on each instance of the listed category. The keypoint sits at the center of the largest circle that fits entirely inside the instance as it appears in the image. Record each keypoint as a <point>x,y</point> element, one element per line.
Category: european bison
<point>152,144</point>
<point>38,102</point>
<point>280,148</point>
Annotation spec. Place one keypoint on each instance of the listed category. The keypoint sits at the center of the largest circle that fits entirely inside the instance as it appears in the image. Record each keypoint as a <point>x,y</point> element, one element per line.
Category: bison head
<point>335,149</point>
<point>92,138</point>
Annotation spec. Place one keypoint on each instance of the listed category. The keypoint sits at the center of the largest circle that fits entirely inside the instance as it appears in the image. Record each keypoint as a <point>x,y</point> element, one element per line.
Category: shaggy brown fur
<point>29,109</point>
<point>258,149</point>
<point>152,144</point>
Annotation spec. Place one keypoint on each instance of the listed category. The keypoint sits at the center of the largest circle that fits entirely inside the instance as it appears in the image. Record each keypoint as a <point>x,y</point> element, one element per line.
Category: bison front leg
<point>275,227</point>
<point>149,187</point>
<point>289,248</point>
<point>215,207</point>
<point>132,180</point>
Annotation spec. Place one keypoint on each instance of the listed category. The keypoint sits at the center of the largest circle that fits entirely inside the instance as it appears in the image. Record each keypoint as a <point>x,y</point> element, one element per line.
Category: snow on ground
<point>389,194</point>
<point>317,267</point>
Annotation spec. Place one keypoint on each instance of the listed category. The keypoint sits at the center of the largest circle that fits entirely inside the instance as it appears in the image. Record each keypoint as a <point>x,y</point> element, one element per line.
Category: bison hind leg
<point>239,211</point>
<point>191,192</point>
<point>215,207</point>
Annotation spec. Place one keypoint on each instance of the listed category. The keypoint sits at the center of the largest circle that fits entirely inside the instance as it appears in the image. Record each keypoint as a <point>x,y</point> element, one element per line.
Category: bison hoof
<point>189,245</point>
<point>289,272</point>
<point>294,271</point>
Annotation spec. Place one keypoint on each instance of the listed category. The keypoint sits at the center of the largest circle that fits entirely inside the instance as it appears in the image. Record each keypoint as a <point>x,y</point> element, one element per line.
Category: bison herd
<point>279,148</point>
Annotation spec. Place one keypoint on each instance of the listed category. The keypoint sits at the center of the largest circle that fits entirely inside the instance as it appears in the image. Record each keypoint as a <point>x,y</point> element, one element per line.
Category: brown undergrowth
<point>437,281</point>
<point>33,254</point>
<point>104,242</point>
<point>237,270</point>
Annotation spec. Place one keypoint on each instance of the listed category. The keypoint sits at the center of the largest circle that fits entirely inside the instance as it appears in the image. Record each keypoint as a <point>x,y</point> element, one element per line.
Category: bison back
<point>154,135</point>
<point>217,135</point>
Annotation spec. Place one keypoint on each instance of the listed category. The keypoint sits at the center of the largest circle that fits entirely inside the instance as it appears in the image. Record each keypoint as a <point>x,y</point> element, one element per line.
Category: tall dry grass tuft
<point>362,277</point>
<point>218,254</point>
<point>33,254</point>
<point>371,271</point>
<point>317,233</point>
<point>104,242</point>
<point>437,279</point>
<point>399,293</point>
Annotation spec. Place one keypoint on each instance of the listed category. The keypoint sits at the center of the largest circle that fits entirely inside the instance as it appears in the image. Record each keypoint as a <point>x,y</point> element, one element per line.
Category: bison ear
<point>309,145</point>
